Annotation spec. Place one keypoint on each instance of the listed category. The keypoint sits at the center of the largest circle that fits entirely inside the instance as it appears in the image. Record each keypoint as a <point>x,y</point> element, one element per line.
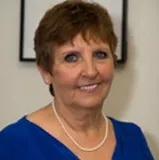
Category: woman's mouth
<point>89,88</point>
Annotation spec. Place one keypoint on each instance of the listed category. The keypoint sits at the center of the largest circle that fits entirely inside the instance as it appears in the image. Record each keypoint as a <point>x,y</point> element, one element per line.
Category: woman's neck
<point>80,119</point>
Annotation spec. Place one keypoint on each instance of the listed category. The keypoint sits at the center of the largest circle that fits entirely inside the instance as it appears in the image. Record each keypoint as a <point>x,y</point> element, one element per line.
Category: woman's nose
<point>90,69</point>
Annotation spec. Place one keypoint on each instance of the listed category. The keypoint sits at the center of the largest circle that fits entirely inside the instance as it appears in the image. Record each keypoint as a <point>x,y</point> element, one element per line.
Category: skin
<point>84,68</point>
<point>82,74</point>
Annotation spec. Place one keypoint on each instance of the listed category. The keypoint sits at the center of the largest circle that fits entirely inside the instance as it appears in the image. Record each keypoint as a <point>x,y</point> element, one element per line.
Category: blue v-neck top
<point>25,140</point>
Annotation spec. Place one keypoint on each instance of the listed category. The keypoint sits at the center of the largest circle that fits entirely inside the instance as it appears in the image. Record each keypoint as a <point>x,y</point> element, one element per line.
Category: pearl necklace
<point>74,141</point>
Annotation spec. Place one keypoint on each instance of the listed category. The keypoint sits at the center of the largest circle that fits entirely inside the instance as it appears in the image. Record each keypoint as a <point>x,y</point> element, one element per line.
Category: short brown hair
<point>64,21</point>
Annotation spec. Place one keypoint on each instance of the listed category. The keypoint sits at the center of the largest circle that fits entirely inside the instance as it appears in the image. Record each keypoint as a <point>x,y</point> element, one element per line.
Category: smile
<point>89,88</point>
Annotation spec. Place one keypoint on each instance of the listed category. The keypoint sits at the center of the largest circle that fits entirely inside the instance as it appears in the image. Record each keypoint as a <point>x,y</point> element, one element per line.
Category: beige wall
<point>135,92</point>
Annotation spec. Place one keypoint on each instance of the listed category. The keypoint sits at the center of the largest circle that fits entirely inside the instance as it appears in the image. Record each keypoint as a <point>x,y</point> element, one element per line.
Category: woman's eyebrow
<point>107,49</point>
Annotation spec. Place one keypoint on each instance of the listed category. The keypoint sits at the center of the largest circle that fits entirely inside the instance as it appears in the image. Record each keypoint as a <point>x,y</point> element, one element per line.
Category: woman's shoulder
<point>125,127</point>
<point>22,126</point>
<point>14,130</point>
<point>131,135</point>
<point>127,130</point>
<point>13,137</point>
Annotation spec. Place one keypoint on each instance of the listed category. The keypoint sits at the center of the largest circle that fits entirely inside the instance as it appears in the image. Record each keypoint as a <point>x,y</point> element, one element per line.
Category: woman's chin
<point>92,100</point>
<point>91,103</point>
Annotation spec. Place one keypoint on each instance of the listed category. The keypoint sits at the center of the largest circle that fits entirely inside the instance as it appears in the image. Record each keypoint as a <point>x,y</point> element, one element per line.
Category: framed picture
<point>33,10</point>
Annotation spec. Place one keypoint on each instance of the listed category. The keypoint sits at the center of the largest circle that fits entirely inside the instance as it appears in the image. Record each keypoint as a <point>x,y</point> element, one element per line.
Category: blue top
<point>25,140</point>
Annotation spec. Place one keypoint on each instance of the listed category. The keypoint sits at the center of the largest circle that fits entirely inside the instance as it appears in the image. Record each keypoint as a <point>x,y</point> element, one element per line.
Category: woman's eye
<point>100,54</point>
<point>71,57</point>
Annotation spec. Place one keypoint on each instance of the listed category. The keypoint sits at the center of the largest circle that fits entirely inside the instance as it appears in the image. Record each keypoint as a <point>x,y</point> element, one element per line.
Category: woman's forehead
<point>78,42</point>
<point>87,39</point>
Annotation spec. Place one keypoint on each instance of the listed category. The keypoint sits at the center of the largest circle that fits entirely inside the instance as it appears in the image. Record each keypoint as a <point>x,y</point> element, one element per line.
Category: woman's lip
<point>87,85</point>
<point>89,88</point>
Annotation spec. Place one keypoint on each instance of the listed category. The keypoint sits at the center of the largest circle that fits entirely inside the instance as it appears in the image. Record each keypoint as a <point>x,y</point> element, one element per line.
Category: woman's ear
<point>47,77</point>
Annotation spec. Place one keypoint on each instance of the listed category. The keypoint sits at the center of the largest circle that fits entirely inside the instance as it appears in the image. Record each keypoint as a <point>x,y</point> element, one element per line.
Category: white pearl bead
<point>73,140</point>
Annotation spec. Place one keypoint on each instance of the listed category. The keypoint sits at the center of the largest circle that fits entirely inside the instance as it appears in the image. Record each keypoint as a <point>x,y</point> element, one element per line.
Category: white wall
<point>135,92</point>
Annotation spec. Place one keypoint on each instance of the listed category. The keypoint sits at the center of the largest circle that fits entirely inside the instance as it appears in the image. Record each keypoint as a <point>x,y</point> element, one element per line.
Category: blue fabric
<point>24,140</point>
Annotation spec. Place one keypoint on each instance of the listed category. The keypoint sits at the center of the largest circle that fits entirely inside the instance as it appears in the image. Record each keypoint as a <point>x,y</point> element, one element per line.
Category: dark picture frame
<point>30,17</point>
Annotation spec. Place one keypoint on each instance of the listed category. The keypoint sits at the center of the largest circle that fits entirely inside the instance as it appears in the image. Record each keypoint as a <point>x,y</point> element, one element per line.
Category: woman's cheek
<point>107,71</point>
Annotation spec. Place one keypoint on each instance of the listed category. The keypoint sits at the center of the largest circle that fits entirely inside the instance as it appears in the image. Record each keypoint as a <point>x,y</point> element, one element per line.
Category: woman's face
<point>82,73</point>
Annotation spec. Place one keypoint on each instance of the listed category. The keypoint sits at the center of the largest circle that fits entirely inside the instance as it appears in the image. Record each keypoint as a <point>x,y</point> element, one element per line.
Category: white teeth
<point>88,88</point>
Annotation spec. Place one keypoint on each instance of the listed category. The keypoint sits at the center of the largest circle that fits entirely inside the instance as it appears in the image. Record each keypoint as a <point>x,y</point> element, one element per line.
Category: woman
<point>75,45</point>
